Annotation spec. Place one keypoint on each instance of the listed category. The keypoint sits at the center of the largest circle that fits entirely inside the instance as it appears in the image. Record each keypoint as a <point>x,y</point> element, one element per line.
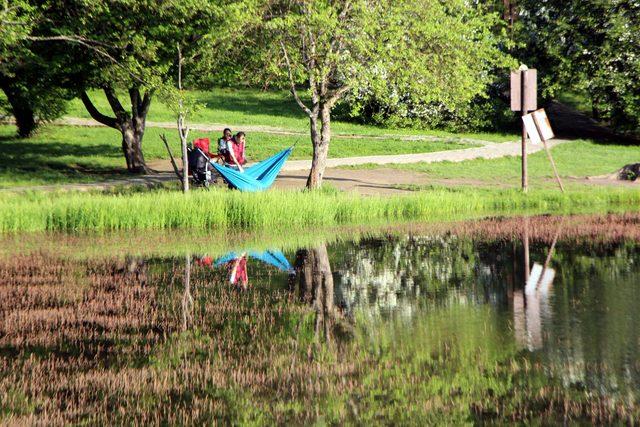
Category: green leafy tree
<point>433,52</point>
<point>591,46</point>
<point>31,95</point>
<point>122,47</point>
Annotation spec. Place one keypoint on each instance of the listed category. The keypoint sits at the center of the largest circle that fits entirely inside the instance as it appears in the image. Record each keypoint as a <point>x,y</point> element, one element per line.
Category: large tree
<point>121,47</point>
<point>588,46</point>
<point>434,52</point>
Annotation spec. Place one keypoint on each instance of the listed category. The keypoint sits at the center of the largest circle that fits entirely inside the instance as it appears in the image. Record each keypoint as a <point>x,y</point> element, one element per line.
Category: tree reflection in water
<point>187,298</point>
<point>314,280</point>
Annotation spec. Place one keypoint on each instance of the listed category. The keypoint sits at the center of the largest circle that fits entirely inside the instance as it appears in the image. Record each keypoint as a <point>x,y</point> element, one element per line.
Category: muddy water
<point>559,295</point>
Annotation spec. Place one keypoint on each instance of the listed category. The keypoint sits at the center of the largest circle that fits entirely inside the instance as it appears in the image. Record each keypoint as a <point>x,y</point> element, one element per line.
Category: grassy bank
<point>275,109</point>
<point>575,159</point>
<point>68,154</point>
<point>219,210</point>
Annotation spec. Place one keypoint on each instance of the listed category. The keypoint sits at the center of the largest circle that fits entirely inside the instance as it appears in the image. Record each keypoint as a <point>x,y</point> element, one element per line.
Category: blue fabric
<point>275,258</point>
<point>272,257</point>
<point>257,177</point>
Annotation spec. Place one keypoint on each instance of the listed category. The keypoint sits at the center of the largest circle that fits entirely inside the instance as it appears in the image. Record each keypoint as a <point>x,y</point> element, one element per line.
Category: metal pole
<point>523,104</point>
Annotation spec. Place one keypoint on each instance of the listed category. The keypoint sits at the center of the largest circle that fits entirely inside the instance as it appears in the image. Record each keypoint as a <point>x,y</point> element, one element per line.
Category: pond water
<point>520,318</point>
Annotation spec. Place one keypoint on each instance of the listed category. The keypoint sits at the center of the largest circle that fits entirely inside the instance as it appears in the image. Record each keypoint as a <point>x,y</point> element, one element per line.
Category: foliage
<point>121,43</point>
<point>16,18</point>
<point>459,58</point>
<point>587,46</point>
<point>31,91</point>
<point>432,53</point>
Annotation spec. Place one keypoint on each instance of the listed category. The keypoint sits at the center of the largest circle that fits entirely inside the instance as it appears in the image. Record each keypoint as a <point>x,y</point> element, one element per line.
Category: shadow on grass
<point>23,160</point>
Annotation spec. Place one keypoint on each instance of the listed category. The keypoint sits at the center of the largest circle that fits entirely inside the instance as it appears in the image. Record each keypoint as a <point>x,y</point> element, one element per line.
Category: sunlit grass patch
<point>280,211</point>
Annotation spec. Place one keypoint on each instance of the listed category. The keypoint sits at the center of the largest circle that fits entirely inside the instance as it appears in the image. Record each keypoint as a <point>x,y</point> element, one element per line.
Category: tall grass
<point>280,211</point>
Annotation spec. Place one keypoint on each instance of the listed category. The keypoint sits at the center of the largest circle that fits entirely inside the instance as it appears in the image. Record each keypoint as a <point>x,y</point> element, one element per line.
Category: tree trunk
<point>320,147</point>
<point>132,146</point>
<point>21,110</point>
<point>131,125</point>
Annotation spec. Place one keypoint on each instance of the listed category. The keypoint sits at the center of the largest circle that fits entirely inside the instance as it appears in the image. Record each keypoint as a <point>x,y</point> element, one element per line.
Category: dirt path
<point>487,151</point>
<point>365,181</point>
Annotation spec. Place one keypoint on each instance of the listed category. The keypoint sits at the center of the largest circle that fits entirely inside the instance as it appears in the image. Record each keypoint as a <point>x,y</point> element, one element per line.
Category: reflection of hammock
<point>257,177</point>
<point>274,258</point>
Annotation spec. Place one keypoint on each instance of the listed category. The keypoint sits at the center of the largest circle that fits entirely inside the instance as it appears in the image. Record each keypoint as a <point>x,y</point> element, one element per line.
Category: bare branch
<point>294,92</point>
<point>95,114</point>
<point>173,160</point>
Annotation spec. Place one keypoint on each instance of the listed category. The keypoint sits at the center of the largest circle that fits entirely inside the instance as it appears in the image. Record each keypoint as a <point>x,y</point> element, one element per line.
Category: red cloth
<point>238,151</point>
<point>205,261</point>
<point>204,144</point>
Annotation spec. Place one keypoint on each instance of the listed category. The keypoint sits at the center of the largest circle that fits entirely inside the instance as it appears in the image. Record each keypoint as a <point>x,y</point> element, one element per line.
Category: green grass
<point>238,107</point>
<point>574,159</point>
<point>280,211</point>
<point>69,154</point>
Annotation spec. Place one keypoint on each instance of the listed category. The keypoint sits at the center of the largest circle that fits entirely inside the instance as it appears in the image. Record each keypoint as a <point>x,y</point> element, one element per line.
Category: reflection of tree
<point>187,298</point>
<point>315,287</point>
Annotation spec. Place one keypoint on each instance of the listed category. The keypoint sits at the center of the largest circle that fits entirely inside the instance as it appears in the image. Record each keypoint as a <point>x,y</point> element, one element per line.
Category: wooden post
<point>543,137</point>
<point>523,111</point>
<point>553,165</point>
<point>525,244</point>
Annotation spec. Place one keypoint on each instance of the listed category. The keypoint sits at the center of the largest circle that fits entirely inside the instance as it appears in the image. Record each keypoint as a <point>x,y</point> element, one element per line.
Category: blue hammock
<point>257,177</point>
<point>273,257</point>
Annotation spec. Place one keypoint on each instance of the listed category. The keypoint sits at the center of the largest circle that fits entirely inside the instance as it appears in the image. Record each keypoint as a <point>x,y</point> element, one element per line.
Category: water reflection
<point>312,281</point>
<point>485,296</point>
<point>568,304</point>
<point>574,309</point>
<point>236,264</point>
<point>532,304</point>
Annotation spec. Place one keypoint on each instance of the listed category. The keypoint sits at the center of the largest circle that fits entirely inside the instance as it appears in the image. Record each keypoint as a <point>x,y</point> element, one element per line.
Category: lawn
<point>574,159</point>
<point>275,109</point>
<point>69,154</point>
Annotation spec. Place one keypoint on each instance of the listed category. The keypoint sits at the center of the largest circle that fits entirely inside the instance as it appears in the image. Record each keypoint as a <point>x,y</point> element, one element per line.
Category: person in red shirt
<point>235,151</point>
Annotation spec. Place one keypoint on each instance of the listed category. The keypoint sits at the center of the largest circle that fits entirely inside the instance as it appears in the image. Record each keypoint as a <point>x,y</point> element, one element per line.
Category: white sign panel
<point>542,123</point>
<point>532,131</point>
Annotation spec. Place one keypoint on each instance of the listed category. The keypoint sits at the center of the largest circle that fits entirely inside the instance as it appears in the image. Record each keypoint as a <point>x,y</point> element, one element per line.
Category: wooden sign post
<point>524,98</point>
<point>539,130</point>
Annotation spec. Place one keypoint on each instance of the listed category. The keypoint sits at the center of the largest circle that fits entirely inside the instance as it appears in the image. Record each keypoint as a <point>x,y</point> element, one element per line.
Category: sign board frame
<point>530,90</point>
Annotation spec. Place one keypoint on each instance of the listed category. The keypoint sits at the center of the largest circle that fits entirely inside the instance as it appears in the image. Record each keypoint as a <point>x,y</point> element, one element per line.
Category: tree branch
<point>336,95</point>
<point>95,114</point>
<point>294,92</point>
<point>114,102</point>
<point>90,44</point>
<point>146,103</point>
<point>134,96</point>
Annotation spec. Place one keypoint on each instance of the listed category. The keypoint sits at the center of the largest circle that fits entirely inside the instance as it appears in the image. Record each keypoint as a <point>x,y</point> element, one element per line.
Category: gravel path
<point>488,151</point>
<point>217,127</point>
